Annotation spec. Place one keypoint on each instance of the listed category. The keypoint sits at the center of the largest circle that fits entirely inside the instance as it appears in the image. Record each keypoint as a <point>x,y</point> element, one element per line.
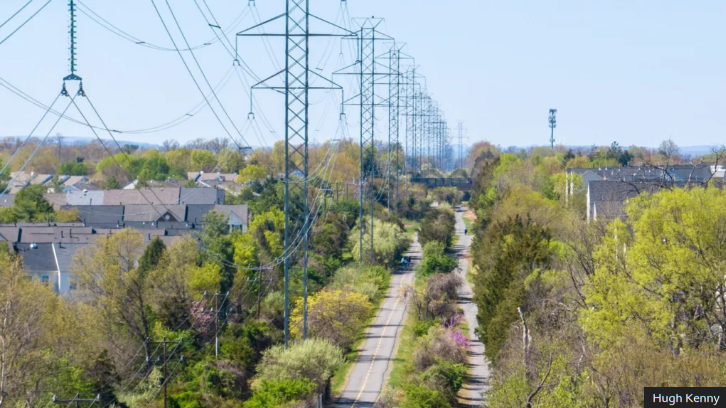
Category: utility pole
<point>60,143</point>
<point>165,356</point>
<point>259,280</point>
<point>553,125</point>
<point>77,400</point>
<point>215,310</point>
<point>296,88</point>
<point>460,129</point>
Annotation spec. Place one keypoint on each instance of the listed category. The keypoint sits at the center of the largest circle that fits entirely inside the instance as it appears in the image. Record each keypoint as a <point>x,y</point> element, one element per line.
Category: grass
<point>411,227</point>
<point>399,372</point>
<point>341,376</point>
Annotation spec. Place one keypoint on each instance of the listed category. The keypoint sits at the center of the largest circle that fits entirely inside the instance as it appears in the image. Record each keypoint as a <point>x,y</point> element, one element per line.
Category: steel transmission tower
<point>553,125</point>
<point>394,105</point>
<point>296,88</point>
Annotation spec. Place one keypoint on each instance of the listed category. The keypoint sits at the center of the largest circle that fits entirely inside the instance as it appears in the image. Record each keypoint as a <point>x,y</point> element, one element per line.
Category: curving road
<point>371,370</point>
<point>475,384</point>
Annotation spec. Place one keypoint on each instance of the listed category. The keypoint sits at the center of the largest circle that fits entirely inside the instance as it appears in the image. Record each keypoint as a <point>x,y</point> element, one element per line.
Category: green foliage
<point>313,359</point>
<point>450,195</point>
<point>111,183</point>
<point>511,252</point>
<point>435,260</point>
<point>390,242</point>
<point>73,168</point>
<point>251,173</point>
<point>280,393</point>
<point>422,327</point>
<point>439,224</point>
<point>451,374</point>
<point>152,255</point>
<point>421,396</point>
<point>29,206</point>
<point>371,281</point>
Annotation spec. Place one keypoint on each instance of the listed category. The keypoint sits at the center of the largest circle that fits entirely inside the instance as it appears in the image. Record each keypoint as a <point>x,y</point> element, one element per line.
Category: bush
<point>280,393</point>
<point>439,224</point>
<point>435,259</point>
<point>450,195</point>
<point>437,346</point>
<point>420,396</point>
<point>315,360</point>
<point>334,315</point>
<point>390,242</point>
<point>371,281</point>
<point>421,328</point>
<point>449,373</point>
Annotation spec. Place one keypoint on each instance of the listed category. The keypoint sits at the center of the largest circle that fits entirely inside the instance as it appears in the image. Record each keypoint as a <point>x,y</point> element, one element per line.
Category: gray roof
<point>196,212</point>
<point>102,216</point>
<point>81,197</point>
<point>40,258</point>
<point>201,196</point>
<point>149,213</point>
<point>237,213</point>
<point>7,200</point>
<point>699,173</point>
<point>147,196</point>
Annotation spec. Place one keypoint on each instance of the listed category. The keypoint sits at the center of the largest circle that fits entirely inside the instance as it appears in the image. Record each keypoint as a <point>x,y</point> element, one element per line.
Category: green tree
<point>152,255</point>
<point>73,168</point>
<point>439,224</point>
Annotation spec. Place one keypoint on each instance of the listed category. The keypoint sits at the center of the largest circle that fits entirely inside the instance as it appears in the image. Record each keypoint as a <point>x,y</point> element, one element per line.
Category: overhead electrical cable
<point>24,23</point>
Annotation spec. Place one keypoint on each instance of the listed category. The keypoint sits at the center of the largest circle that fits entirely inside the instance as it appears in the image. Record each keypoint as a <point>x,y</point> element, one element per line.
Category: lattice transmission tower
<point>296,89</point>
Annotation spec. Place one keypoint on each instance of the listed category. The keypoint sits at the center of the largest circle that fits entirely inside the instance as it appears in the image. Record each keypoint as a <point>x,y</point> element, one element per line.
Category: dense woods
<point>578,314</point>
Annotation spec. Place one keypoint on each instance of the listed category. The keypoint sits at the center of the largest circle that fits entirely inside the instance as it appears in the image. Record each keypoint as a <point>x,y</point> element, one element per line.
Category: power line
<point>24,23</point>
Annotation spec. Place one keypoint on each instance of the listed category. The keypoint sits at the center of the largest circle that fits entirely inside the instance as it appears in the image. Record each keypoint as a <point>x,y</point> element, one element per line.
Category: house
<point>151,214</point>
<point>202,176</point>
<point>162,196</point>
<point>70,183</point>
<point>155,184</point>
<point>201,196</point>
<point>20,180</point>
<point>238,215</point>
<point>99,216</point>
<point>682,173</point>
<point>85,197</point>
<point>48,252</point>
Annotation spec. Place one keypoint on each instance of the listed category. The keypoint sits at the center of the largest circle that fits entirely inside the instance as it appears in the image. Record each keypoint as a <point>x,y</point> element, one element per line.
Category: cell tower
<point>553,125</point>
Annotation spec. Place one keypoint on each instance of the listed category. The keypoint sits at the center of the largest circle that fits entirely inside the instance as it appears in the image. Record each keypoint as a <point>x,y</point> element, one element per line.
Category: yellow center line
<point>380,340</point>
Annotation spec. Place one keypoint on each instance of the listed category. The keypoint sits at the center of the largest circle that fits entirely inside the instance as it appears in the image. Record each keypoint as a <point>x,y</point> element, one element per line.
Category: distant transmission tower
<point>296,87</point>
<point>553,125</point>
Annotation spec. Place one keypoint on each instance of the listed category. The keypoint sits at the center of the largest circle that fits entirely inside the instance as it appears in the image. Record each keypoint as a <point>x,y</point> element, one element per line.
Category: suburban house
<point>48,250</point>
<point>20,180</point>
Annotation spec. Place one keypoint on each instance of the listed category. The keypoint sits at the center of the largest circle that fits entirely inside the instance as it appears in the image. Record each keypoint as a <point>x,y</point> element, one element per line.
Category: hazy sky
<point>635,72</point>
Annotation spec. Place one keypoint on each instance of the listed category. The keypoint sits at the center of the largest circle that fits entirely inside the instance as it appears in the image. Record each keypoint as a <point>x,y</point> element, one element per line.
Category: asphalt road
<point>370,372</point>
<point>475,384</point>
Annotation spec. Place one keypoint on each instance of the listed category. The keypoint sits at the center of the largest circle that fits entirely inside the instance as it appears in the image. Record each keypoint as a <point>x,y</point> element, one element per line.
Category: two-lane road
<point>372,368</point>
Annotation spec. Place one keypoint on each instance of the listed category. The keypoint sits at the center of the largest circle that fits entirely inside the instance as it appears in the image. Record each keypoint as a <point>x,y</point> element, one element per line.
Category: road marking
<point>380,340</point>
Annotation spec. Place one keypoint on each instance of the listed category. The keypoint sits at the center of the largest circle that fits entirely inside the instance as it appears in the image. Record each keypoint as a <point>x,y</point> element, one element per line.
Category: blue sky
<point>635,72</point>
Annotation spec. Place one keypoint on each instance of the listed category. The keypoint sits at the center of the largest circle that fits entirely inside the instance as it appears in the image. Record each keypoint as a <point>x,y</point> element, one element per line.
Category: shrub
<point>420,396</point>
<point>437,346</point>
<point>371,281</point>
<point>280,393</point>
<point>421,328</point>
<point>449,373</point>
<point>335,315</point>
<point>439,224</point>
<point>435,259</point>
<point>391,242</point>
<point>315,360</point>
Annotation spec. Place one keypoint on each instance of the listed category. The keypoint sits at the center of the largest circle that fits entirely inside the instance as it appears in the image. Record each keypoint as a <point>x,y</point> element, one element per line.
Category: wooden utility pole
<point>165,355</point>
<point>217,305</point>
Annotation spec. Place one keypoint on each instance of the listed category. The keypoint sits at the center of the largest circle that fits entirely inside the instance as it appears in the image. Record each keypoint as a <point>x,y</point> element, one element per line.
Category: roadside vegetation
<point>576,314</point>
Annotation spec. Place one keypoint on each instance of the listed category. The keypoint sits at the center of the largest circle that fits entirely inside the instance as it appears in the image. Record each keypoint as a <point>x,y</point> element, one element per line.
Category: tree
<point>202,160</point>
<point>27,321</point>
<point>439,224</point>
<point>313,359</point>
<point>250,173</point>
<point>73,168</point>
<point>334,315</point>
<point>390,242</point>
<point>112,183</point>
<point>152,255</point>
<point>124,294</point>
<point>280,393</point>
<point>512,250</point>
